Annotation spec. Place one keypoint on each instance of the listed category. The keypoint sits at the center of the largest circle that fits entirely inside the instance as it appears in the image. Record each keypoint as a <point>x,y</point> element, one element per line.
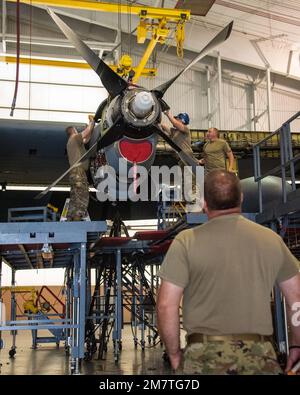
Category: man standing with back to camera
<point>225,270</point>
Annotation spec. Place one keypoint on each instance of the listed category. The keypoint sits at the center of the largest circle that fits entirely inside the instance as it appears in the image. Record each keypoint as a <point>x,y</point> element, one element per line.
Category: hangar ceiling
<point>266,32</point>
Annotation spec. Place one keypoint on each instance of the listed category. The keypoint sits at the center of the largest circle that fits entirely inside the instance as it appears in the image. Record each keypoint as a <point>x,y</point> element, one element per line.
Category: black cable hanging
<point>120,29</point>
<point>13,105</point>
<point>129,26</point>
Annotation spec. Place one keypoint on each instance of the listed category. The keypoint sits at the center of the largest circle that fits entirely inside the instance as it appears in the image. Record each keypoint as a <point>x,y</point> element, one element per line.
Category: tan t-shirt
<point>228,267</point>
<point>215,154</point>
<point>75,150</point>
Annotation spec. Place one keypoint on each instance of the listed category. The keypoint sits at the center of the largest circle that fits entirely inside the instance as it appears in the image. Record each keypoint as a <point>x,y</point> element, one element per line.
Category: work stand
<point>125,280</point>
<point>20,246</point>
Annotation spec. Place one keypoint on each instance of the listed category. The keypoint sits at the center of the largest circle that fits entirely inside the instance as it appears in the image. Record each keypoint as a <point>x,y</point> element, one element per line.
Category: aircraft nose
<point>142,104</point>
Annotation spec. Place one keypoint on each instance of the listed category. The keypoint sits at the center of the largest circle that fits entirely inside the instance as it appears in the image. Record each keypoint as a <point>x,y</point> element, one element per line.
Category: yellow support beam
<point>147,72</point>
<point>143,11</point>
<point>159,34</point>
<point>44,62</point>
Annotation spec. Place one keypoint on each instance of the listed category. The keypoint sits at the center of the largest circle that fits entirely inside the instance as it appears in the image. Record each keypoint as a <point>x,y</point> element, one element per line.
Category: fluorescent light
<point>141,222</point>
<point>143,228</point>
<point>33,188</point>
<point>296,182</point>
<point>40,188</point>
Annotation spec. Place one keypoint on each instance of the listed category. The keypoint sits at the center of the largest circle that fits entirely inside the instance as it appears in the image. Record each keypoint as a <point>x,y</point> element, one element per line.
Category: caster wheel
<point>12,353</point>
<point>87,356</point>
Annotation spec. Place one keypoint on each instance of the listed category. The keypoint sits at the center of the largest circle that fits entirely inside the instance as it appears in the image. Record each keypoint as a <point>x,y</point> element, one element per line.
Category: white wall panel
<point>50,93</point>
<point>285,105</point>
<point>49,99</point>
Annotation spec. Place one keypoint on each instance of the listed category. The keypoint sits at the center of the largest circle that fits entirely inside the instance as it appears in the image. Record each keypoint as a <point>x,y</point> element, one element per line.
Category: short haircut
<point>222,190</point>
<point>215,130</point>
<point>69,129</point>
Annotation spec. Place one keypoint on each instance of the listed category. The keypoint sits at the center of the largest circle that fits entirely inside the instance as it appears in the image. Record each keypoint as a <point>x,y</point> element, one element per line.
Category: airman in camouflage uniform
<point>79,194</point>
<point>231,358</point>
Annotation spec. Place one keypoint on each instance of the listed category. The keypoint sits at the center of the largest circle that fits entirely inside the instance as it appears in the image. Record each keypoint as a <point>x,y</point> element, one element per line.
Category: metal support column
<point>4,26</point>
<point>98,300</point>
<point>117,332</point>
<point>69,302</point>
<point>254,101</point>
<point>268,76</point>
<point>75,318</point>
<point>289,152</point>
<point>82,299</point>
<point>208,97</point>
<point>88,288</point>
<point>13,313</point>
<point>283,160</point>
<point>280,317</point>
<point>142,309</point>
<point>220,91</point>
<point>257,175</point>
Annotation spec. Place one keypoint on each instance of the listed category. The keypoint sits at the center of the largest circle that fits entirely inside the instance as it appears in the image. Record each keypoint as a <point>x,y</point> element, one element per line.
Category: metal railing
<point>287,159</point>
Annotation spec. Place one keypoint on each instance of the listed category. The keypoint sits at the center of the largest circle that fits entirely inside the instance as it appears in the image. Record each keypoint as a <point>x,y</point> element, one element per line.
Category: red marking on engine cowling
<point>135,152</point>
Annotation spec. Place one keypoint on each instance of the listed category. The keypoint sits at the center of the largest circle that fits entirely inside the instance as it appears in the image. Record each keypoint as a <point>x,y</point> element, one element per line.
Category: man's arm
<point>291,290</point>
<point>177,124</point>
<point>168,303</point>
<point>230,157</point>
<point>165,128</point>
<point>87,132</point>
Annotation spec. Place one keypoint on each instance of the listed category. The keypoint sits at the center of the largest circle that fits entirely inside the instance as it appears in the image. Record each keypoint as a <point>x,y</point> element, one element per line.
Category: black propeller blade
<point>218,39</point>
<point>112,82</point>
<point>185,157</point>
<point>114,133</point>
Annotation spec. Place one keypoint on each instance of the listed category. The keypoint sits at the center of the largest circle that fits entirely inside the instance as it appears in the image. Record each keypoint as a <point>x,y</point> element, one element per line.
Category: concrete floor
<point>47,359</point>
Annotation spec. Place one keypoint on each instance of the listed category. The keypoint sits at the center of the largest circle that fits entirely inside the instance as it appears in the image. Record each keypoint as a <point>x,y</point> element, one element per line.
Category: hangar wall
<point>69,94</point>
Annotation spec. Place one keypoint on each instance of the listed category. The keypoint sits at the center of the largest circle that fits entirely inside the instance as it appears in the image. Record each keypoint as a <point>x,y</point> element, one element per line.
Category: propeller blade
<point>112,82</point>
<point>99,111</point>
<point>186,158</point>
<point>114,133</point>
<point>217,40</point>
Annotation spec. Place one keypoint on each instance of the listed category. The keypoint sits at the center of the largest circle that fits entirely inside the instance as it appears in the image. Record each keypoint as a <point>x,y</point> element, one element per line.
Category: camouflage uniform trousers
<point>79,195</point>
<point>231,358</point>
<point>188,195</point>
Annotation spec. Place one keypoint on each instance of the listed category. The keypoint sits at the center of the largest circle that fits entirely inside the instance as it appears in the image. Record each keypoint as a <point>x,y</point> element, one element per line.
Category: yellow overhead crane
<point>155,21</point>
